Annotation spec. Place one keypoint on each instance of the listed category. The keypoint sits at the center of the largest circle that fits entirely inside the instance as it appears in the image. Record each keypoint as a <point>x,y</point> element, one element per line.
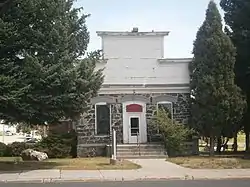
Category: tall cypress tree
<point>42,78</point>
<point>218,102</point>
<point>237,18</point>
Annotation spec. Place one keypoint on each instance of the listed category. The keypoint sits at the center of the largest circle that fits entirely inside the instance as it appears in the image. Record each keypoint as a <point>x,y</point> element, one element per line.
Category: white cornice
<point>111,33</point>
<point>175,60</point>
<point>105,85</point>
<point>143,90</point>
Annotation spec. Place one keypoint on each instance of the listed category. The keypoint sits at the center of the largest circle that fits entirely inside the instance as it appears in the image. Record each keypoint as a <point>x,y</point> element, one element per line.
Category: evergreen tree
<point>237,18</point>
<point>217,100</point>
<point>42,78</point>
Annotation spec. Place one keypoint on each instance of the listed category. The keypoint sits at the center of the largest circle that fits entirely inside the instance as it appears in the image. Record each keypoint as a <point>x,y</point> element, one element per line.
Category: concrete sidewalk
<point>152,169</point>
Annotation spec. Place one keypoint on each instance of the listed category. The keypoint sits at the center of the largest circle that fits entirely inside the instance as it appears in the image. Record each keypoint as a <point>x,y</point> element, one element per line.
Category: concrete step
<point>141,145</point>
<point>141,157</point>
<point>139,150</point>
<point>138,155</point>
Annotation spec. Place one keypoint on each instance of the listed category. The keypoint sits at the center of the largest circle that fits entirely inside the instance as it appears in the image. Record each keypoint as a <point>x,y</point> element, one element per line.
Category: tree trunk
<point>247,142</point>
<point>235,145</point>
<point>219,145</point>
<point>211,151</point>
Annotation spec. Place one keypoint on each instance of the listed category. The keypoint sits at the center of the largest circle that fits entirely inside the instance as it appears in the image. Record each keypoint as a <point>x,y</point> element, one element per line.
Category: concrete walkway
<point>151,169</point>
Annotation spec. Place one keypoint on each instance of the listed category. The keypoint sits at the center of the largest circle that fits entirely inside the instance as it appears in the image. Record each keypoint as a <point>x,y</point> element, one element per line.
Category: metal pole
<point>138,144</point>
<point>114,144</point>
<point>111,143</point>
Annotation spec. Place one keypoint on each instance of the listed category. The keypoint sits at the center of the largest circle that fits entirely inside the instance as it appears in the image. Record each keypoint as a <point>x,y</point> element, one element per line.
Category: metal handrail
<point>138,144</point>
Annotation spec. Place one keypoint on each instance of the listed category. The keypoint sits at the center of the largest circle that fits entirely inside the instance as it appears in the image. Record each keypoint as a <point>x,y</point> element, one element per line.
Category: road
<point>204,183</point>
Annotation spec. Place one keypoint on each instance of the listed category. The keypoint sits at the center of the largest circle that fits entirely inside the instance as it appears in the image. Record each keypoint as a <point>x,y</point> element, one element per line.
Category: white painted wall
<point>144,71</point>
<point>134,60</point>
<point>135,47</point>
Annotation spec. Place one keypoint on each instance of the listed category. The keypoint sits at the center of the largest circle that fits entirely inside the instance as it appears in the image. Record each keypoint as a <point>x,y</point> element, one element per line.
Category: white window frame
<point>167,102</point>
<point>98,104</point>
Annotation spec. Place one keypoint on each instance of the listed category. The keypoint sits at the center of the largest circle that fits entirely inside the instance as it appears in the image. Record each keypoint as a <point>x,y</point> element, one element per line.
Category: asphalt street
<point>202,183</point>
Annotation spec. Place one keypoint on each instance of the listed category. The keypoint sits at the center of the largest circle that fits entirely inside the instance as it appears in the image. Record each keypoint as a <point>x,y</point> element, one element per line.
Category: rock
<point>30,154</point>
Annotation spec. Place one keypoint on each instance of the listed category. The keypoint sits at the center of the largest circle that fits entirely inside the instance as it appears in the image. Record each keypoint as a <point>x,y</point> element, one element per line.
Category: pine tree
<point>42,41</point>
<point>237,19</point>
<point>217,100</point>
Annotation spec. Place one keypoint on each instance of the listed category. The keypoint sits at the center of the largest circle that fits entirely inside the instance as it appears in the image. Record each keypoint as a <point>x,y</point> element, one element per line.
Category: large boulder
<point>31,154</point>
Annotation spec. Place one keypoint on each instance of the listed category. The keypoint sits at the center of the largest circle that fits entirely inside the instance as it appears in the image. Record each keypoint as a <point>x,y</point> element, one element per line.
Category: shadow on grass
<point>227,154</point>
<point>204,161</point>
<point>120,164</point>
<point>16,165</point>
<point>20,166</point>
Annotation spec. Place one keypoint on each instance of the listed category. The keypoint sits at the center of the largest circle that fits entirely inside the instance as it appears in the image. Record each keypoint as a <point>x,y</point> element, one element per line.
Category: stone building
<point>138,80</point>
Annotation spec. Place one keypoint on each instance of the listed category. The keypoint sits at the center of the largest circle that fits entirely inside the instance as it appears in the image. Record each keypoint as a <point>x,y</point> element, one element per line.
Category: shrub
<point>16,148</point>
<point>55,145</point>
<point>58,145</point>
<point>3,148</point>
<point>173,133</point>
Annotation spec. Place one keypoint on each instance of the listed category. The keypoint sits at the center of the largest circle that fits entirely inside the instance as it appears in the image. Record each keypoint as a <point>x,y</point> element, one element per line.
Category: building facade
<point>138,80</point>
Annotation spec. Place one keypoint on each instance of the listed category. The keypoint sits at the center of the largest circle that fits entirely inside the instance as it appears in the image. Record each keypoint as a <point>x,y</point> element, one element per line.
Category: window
<point>135,126</point>
<point>102,119</point>
<point>167,106</point>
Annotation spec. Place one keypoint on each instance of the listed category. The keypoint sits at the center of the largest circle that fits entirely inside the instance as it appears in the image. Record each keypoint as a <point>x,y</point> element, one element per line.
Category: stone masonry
<point>91,145</point>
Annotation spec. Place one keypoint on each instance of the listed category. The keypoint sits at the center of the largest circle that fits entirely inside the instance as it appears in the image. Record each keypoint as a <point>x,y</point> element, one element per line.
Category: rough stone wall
<point>181,113</point>
<point>86,129</point>
<point>91,150</point>
<point>152,132</point>
<point>91,145</point>
<point>116,121</point>
<point>182,108</point>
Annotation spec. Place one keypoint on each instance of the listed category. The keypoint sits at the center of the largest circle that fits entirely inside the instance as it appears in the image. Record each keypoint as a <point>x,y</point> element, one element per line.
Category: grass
<point>240,149</point>
<point>205,162</point>
<point>16,164</point>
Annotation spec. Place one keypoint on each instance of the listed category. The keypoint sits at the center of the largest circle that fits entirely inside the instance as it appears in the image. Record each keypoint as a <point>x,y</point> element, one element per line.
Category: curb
<point>222,178</point>
<point>58,180</point>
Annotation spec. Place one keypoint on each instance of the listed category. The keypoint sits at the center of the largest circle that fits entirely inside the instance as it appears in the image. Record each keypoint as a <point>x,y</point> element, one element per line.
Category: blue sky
<point>181,17</point>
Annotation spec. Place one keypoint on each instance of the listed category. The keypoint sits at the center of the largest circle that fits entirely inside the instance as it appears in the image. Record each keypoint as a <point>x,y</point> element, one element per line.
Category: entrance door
<point>134,129</point>
<point>134,122</point>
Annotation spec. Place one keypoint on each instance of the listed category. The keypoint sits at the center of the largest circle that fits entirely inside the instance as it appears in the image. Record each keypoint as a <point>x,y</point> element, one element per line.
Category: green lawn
<point>205,162</point>
<point>16,164</point>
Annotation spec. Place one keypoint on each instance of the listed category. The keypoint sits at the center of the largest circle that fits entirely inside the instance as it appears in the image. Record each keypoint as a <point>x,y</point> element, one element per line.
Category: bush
<point>58,145</point>
<point>55,145</point>
<point>3,148</point>
<point>16,148</point>
<point>173,133</point>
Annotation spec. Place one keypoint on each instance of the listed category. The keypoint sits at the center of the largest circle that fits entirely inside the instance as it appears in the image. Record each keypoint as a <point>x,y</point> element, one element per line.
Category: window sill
<point>101,136</point>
